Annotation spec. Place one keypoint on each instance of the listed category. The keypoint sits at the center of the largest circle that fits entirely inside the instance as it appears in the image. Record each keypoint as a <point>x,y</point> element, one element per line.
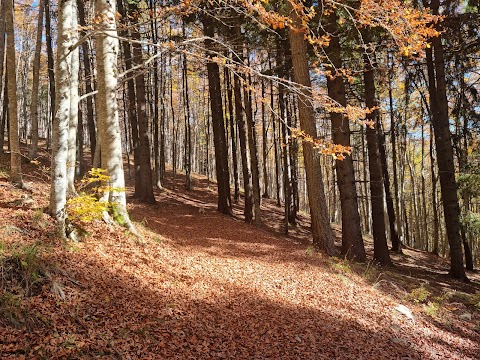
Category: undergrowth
<point>23,273</point>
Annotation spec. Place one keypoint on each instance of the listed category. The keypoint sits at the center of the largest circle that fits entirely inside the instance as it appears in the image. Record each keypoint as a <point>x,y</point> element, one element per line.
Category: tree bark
<point>15,155</point>
<point>219,139</point>
<point>380,248</point>
<point>58,190</point>
<point>144,192</point>
<point>321,230</point>
<point>233,135</point>
<point>107,109</point>
<point>73,111</point>
<point>242,134</point>
<point>35,81</point>
<point>252,146</point>
<point>352,241</point>
<point>3,80</point>
<point>88,80</point>
<point>443,144</point>
<point>50,61</point>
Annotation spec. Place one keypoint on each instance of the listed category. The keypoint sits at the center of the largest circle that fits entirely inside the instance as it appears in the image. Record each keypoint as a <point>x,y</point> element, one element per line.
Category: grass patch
<point>4,173</point>
<point>420,294</point>
<point>23,270</point>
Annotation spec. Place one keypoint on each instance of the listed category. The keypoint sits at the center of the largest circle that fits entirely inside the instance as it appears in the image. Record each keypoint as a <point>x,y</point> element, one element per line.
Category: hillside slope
<point>201,286</point>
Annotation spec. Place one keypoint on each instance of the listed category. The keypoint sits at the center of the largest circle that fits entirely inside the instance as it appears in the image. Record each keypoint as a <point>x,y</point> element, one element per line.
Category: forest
<point>257,179</point>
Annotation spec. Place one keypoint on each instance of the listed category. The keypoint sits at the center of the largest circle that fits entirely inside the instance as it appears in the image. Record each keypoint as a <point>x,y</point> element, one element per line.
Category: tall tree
<point>380,249</point>
<point>145,191</point>
<point>36,81</point>
<point>443,144</point>
<point>219,138</point>
<point>74,64</point>
<point>58,189</point>
<point>321,230</point>
<point>88,79</point>
<point>15,155</point>
<point>107,107</point>
<point>352,241</point>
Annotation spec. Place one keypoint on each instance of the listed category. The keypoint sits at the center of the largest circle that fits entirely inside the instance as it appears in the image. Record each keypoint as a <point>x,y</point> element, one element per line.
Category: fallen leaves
<point>213,287</point>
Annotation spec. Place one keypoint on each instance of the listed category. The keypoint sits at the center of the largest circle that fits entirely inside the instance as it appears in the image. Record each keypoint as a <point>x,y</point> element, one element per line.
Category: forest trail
<point>205,286</point>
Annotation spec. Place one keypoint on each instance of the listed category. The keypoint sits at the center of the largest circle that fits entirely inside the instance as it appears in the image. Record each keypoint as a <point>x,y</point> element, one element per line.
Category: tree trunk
<point>321,230</point>
<point>50,62</point>
<point>73,116</point>
<point>15,155</point>
<point>233,135</point>
<point>107,110</point>
<point>242,134</point>
<point>443,144</point>
<point>3,80</point>
<point>144,192</point>
<point>434,195</point>
<point>221,159</point>
<point>35,81</point>
<point>352,241</point>
<point>266,184</point>
<point>396,245</point>
<point>392,220</point>
<point>380,249</point>
<point>252,146</point>
<point>188,127</point>
<point>88,80</point>
<point>58,190</point>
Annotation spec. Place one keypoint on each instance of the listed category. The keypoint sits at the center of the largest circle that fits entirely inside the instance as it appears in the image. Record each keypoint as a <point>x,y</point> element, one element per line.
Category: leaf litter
<point>205,286</point>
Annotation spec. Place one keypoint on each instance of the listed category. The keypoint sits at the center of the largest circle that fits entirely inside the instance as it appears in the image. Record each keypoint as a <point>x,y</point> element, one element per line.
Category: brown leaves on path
<point>205,286</point>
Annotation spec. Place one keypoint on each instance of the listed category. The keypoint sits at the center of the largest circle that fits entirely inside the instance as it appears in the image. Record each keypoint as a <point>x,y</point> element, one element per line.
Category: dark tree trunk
<point>287,196</point>
<point>132,107</point>
<point>388,195</point>
<point>219,139</point>
<point>352,241</point>
<point>50,63</point>
<point>443,144</point>
<point>252,146</point>
<point>321,230</point>
<point>233,135</point>
<point>144,192</point>
<point>436,224</point>
<point>292,153</point>
<point>266,192</point>
<point>242,134</point>
<point>275,141</point>
<point>380,249</point>
<point>396,241</point>
<point>188,128</point>
<point>88,80</point>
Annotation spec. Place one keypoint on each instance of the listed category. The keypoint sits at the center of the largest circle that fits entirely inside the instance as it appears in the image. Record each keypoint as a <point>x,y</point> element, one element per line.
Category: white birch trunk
<point>15,156</point>
<point>73,121</point>
<point>106,106</point>
<point>36,81</point>
<point>58,192</point>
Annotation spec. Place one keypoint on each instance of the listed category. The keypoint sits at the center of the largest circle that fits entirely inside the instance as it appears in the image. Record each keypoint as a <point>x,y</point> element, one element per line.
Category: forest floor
<point>201,285</point>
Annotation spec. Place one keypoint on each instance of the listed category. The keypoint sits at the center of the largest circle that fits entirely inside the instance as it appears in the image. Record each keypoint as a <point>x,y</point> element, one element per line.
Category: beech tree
<point>60,127</point>
<point>107,107</point>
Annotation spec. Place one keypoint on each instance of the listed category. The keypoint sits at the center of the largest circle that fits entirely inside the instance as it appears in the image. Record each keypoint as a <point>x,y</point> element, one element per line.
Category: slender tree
<point>107,108</point>
<point>36,81</point>
<point>15,155</point>
<point>58,189</point>
<point>219,138</point>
